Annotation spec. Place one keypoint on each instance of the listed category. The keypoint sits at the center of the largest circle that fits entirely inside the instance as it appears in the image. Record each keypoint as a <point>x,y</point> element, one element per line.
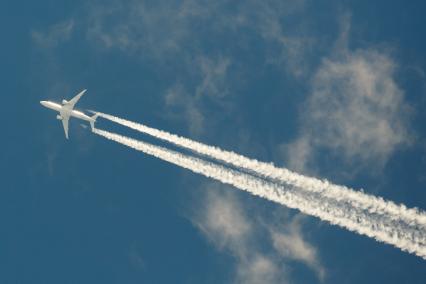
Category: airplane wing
<point>70,104</point>
<point>65,124</point>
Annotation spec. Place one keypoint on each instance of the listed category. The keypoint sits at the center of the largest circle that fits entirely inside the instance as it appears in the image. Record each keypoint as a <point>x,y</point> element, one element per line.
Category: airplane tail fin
<point>92,122</point>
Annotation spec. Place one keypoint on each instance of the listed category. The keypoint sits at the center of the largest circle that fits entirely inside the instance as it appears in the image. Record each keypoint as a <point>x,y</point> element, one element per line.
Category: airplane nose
<point>43,103</point>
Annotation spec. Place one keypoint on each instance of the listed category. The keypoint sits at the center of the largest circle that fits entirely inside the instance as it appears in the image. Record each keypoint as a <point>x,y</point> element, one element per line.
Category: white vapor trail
<point>399,234</point>
<point>372,204</point>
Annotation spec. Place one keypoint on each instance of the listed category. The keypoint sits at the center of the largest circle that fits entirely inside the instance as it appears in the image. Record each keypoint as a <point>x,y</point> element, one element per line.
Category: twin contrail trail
<point>354,219</point>
<point>340,193</point>
<point>404,231</point>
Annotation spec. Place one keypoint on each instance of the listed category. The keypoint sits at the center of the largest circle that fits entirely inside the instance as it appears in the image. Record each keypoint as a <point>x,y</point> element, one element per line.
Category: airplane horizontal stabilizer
<point>92,122</point>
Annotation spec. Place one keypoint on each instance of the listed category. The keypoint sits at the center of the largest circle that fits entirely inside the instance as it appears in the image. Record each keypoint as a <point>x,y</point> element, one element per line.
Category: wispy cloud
<point>224,220</point>
<point>181,105</point>
<point>55,35</point>
<point>142,28</point>
<point>208,82</point>
<point>289,241</point>
<point>178,29</point>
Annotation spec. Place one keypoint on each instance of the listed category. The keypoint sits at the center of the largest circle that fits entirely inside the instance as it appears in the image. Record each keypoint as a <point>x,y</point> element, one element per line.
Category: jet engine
<point>59,117</point>
<point>64,102</point>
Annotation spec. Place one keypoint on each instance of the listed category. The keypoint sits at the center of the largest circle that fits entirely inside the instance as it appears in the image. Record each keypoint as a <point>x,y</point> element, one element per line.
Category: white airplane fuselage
<point>66,112</point>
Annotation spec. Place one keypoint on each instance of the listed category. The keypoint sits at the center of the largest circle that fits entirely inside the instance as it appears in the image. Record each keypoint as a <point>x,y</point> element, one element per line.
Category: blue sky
<point>333,89</point>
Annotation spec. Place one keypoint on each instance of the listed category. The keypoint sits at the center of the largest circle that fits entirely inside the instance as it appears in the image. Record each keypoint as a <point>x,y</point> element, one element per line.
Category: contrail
<point>340,193</point>
<point>354,219</point>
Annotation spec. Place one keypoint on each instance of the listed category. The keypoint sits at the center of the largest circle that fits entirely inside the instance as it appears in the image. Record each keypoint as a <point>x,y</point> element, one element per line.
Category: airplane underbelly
<point>55,107</point>
<point>80,115</point>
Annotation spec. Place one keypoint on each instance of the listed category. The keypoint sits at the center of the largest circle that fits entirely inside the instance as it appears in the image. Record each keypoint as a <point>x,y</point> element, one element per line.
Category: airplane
<point>66,110</point>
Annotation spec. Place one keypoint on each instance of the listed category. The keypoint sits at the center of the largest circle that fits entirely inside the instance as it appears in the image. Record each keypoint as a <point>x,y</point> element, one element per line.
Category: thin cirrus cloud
<point>165,30</point>
<point>55,35</point>
<point>291,244</point>
<point>211,82</point>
